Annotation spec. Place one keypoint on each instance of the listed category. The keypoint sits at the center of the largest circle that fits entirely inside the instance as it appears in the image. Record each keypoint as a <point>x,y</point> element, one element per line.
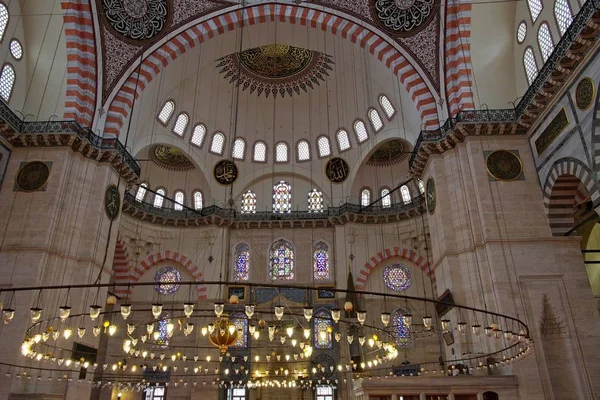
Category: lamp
<point>94,312</point>
<point>279,312</point>
<point>157,310</point>
<point>64,312</point>
<point>308,313</point>
<point>385,318</point>
<point>188,309</point>
<point>335,314</point>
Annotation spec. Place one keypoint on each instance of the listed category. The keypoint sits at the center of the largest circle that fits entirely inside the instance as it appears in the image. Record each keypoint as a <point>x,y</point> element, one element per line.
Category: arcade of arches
<point>324,199</point>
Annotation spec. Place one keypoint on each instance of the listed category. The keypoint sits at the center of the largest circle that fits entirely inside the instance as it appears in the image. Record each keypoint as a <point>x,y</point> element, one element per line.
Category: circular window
<point>397,277</point>
<point>16,49</point>
<point>168,279</point>
<point>521,32</point>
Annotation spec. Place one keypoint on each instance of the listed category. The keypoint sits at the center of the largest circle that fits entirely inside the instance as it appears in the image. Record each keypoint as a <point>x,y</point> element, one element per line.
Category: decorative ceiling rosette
<point>137,20</point>
<point>404,17</point>
<point>276,69</point>
<point>170,158</point>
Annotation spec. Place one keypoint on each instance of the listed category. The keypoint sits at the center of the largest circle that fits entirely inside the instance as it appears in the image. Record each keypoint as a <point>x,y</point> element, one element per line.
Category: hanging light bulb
<point>407,319</point>
<point>219,308</point>
<point>64,312</point>
<point>112,329</point>
<point>488,331</point>
<point>279,312</point>
<point>96,331</point>
<point>307,333</point>
<point>125,310</point>
<point>371,342</point>
<point>256,335</point>
<point>204,331</point>
<point>350,338</point>
<point>130,328</point>
<point>348,306</point>
<point>156,335</point>
<point>190,328</point>
<point>476,329</point>
<point>249,310</point>
<point>361,339</point>
<point>94,312</point>
<point>231,328</point>
<point>294,342</point>
<point>335,314</point>
<point>445,324</point>
<point>35,313</point>
<point>252,329</point>
<point>323,335</point>
<point>80,332</point>
<point>188,309</point>
<point>149,328</point>
<point>7,315</point>
<point>385,318</point>
<point>427,322</point>
<point>462,328</point>
<point>308,313</point>
<point>67,333</point>
<point>170,328</point>
<point>361,316</point>
<point>338,336</point>
<point>211,328</point>
<point>157,310</point>
<point>289,330</point>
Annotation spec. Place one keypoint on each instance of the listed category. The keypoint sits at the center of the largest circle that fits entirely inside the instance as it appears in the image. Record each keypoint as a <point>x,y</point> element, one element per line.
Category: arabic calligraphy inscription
<point>337,170</point>
<point>225,172</point>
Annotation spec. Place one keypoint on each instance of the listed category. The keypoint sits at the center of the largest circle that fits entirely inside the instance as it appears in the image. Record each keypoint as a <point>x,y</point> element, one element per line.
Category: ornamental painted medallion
<point>32,176</point>
<point>225,172</point>
<point>112,202</point>
<point>136,19</point>
<point>388,153</point>
<point>404,17</point>
<point>337,170</point>
<point>170,158</point>
<point>430,195</point>
<point>584,94</point>
<point>276,69</point>
<point>504,165</point>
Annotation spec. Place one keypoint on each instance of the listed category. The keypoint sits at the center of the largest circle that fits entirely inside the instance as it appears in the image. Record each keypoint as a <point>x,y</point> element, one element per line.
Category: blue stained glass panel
<point>167,279</point>
<point>241,324</point>
<point>163,338</point>
<point>282,260</point>
<point>321,261</point>
<point>322,327</point>
<point>397,277</point>
<point>402,334</point>
<point>242,262</point>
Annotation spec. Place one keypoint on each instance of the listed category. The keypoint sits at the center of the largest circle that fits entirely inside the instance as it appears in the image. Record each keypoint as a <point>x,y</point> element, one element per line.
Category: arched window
<point>16,49</point>
<point>249,202</point>
<point>387,106</point>
<point>343,140</point>
<point>386,199</point>
<point>360,130</point>
<point>159,198</point>
<point>521,32</point>
<point>321,261</point>
<point>239,148</point>
<point>365,197</point>
<point>563,15</point>
<point>375,119</point>
<point>241,258</point>
<point>545,41</point>
<point>282,197</point>
<point>241,324</point>
<point>3,20</point>
<point>530,65</point>
<point>315,201</point>
<point>535,8</point>
<point>7,82</point>
<point>162,339</point>
<point>260,152</point>
<point>218,141</point>
<point>141,192</point>
<point>166,112</point>
<point>324,146</point>
<point>406,198</point>
<point>180,124</point>
<point>198,200</point>
<point>322,326</point>
<point>179,200</point>
<point>401,332</point>
<point>281,152</point>
<point>281,260</point>
<point>303,150</point>
<point>198,135</point>
<point>421,185</point>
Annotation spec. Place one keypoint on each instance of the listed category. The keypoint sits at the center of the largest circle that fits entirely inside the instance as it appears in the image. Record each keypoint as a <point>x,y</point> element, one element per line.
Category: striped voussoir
<point>167,255</point>
<point>457,46</point>
<point>561,192</point>
<point>403,253</point>
<point>319,19</point>
<point>81,61</point>
<point>596,124</point>
<point>121,266</point>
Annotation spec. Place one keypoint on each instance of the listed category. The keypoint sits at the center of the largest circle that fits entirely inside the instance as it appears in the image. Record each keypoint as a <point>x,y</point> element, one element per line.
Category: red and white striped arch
<point>81,61</point>
<point>406,254</point>
<point>420,90</point>
<point>122,280</point>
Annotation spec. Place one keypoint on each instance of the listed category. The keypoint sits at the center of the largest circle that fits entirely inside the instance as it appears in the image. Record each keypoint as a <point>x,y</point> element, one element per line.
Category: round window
<point>397,277</point>
<point>167,280</point>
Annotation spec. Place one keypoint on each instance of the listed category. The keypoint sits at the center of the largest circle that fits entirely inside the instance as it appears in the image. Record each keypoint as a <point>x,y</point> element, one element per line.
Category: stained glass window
<point>322,330</point>
<point>239,148</point>
<point>563,14</point>
<point>7,81</point>
<point>321,261</point>
<point>198,201</point>
<point>241,323</point>
<point>303,149</point>
<point>421,185</point>
<point>159,198</point>
<point>365,197</point>
<point>249,202</point>
<point>361,131</point>
<point>282,198</point>
<point>282,260</point>
<point>179,200</point>
<point>397,277</point>
<point>260,152</point>
<point>315,201</point>
<point>241,258</point>
<point>387,106</point>
<point>167,279</point>
<point>180,124</point>
<point>166,111</point>
<point>405,194</point>
<point>141,192</point>
<point>375,119</point>
<point>218,141</point>
<point>198,135</point>
<point>402,334</point>
<point>281,152</point>
<point>324,146</point>
<point>386,199</point>
<point>545,41</point>
<point>343,140</point>
<point>163,337</point>
<point>530,65</point>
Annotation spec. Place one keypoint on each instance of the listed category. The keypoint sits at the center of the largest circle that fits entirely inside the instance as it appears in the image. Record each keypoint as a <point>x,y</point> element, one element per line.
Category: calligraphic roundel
<point>225,172</point>
<point>337,170</point>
